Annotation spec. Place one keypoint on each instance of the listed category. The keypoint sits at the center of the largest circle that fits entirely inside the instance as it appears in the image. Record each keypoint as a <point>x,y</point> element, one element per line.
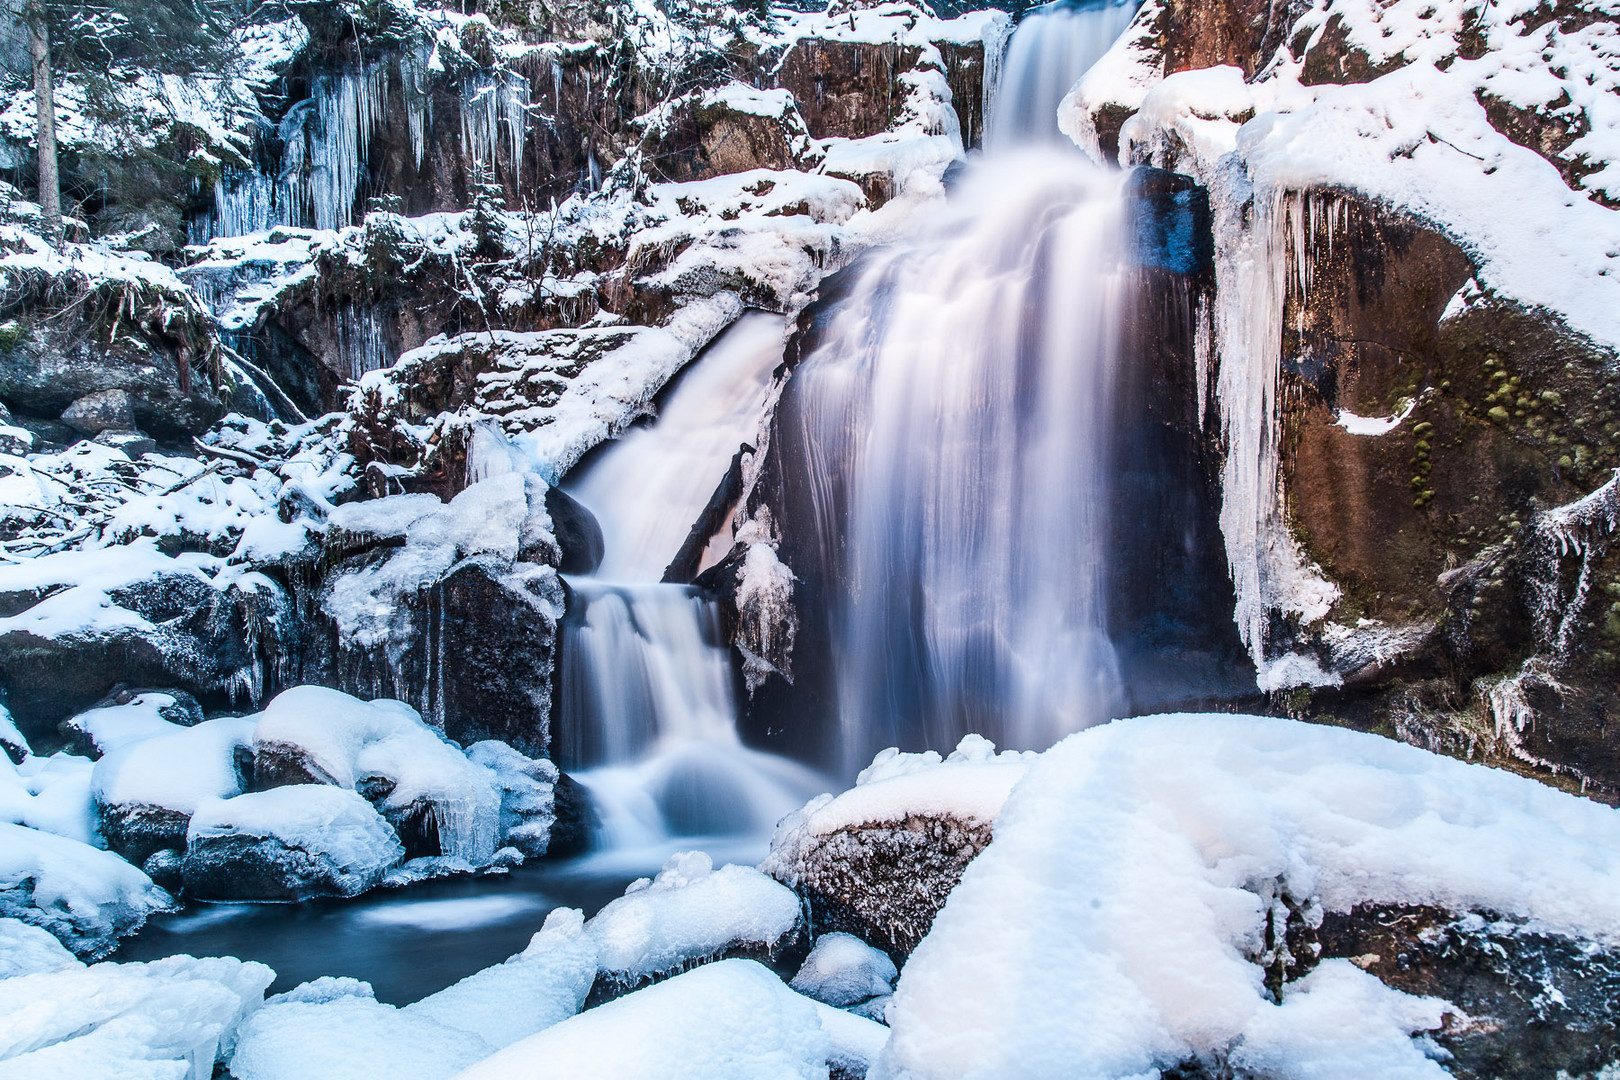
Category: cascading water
<point>1053,47</point>
<point>648,706</point>
<point>956,421</point>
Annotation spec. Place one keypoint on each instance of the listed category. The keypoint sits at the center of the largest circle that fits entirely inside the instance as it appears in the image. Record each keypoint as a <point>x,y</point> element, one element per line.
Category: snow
<point>112,726</point>
<point>85,896</point>
<point>690,911</point>
<point>1143,860</point>
<point>49,793</point>
<point>970,785</point>
<point>329,823</point>
<point>26,950</point>
<point>731,1020</point>
<point>856,1040</point>
<point>335,1029</point>
<point>178,771</point>
<point>346,740</point>
<point>844,970</point>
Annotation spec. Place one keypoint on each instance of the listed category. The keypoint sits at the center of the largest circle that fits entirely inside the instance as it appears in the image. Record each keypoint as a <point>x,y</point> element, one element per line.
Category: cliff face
<point>1413,354</point>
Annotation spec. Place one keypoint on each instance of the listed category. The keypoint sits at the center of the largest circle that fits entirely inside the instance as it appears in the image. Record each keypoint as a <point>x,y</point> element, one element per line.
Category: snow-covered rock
<point>50,793</point>
<point>528,794</point>
<point>1153,863</point>
<point>146,790</point>
<point>879,859</point>
<point>843,970</point>
<point>107,727</point>
<point>690,913</point>
<point>334,1028</point>
<point>171,1018</point>
<point>288,843</point>
<point>87,897</point>
<point>732,1020</point>
<point>436,799</point>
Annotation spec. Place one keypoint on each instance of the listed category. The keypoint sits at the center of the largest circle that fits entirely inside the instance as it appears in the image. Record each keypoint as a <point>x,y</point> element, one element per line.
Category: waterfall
<point>1052,48</point>
<point>648,704</point>
<point>955,419</point>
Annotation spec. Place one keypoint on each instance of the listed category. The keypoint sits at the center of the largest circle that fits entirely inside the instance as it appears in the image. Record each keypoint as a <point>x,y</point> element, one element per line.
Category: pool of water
<point>412,941</point>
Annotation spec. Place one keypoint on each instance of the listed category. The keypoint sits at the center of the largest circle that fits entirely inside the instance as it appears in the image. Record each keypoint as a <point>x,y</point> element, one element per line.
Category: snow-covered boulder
<point>288,843</point>
<point>145,791</point>
<point>335,1029</point>
<point>690,914</point>
<point>733,1020</point>
<point>170,1019</point>
<point>140,716</point>
<point>438,801</point>
<point>25,950</point>
<point>843,970</point>
<point>1134,912</point>
<point>87,897</point>
<point>50,793</point>
<point>879,860</point>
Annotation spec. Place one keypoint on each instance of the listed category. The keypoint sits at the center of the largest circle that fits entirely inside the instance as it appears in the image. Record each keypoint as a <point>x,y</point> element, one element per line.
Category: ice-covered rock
<point>87,897</point>
<point>12,742</point>
<point>142,716</point>
<point>733,1020</point>
<point>1154,864</point>
<point>528,794</point>
<point>25,950</point>
<point>333,1028</point>
<point>844,970</point>
<point>690,913</point>
<point>171,1018</point>
<point>880,859</point>
<point>288,843</point>
<point>146,791</point>
<point>438,801</point>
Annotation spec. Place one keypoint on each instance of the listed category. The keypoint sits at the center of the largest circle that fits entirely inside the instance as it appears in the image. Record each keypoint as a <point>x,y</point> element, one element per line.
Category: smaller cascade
<point>648,703</point>
<point>1052,48</point>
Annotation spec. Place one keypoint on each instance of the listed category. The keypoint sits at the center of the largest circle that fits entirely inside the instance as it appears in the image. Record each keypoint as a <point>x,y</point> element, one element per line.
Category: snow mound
<point>689,912</point>
<point>335,1029</point>
<point>1144,859</point>
<point>87,897</point>
<point>49,793</point>
<point>178,770</point>
<point>27,950</point>
<point>330,737</point>
<point>170,1018</point>
<point>288,842</point>
<point>732,1020</point>
<point>844,970</point>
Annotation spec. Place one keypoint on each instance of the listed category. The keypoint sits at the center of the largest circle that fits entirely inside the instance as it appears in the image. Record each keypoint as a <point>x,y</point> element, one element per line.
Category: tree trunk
<point>50,189</point>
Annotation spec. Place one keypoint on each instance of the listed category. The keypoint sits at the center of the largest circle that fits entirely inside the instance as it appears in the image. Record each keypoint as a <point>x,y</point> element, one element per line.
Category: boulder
<point>842,970</point>
<point>133,443</point>
<point>104,410</point>
<point>292,843</point>
<point>87,897</point>
<point>528,795</point>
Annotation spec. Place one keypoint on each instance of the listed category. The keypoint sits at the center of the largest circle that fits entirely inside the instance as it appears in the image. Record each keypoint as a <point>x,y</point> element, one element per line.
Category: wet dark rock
<point>139,831</point>
<point>165,868</point>
<point>577,531</point>
<point>576,819</point>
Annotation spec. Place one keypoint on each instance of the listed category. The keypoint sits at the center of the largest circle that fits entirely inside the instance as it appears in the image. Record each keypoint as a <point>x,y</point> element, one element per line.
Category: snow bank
<point>334,1029</point>
<point>87,897</point>
<point>732,1020</point>
<point>844,970</point>
<point>333,738</point>
<point>689,912</point>
<point>1144,858</point>
<point>171,1018</point>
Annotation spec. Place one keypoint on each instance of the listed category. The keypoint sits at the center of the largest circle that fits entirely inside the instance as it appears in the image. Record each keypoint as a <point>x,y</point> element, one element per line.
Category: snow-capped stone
<point>879,859</point>
<point>50,793</point>
<point>843,970</point>
<point>528,795</point>
<point>288,843</point>
<point>142,716</point>
<point>690,913</point>
<point>87,897</point>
